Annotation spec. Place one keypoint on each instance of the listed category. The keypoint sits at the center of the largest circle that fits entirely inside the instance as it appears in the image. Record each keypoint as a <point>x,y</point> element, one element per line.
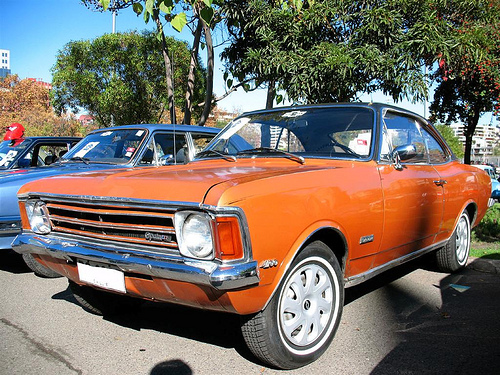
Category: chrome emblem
<point>269,263</point>
<point>157,237</point>
<point>366,239</point>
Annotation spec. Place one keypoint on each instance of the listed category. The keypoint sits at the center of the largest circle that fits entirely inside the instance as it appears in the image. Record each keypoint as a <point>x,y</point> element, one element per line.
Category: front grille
<point>143,226</point>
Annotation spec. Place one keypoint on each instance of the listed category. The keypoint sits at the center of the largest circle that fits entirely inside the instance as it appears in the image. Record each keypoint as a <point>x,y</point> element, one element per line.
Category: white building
<point>4,62</point>
<point>485,138</point>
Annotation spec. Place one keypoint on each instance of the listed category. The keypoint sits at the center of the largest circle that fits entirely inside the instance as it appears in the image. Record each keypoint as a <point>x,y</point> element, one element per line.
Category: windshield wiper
<point>288,155</point>
<point>213,152</point>
<point>79,158</point>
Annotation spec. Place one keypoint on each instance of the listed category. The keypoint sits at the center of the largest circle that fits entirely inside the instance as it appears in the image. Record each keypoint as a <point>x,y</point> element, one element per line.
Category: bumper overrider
<point>219,276</point>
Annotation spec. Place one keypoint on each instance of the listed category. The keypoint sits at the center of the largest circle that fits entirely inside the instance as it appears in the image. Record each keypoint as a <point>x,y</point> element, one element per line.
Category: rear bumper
<point>219,276</point>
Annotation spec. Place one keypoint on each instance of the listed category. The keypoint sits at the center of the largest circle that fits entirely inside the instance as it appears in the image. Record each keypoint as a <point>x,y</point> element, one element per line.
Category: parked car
<point>110,148</point>
<point>32,152</point>
<point>281,211</point>
<point>495,184</point>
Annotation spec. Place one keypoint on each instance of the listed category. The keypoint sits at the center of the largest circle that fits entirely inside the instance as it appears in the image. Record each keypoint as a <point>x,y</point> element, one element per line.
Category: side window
<point>437,154</point>
<point>399,131</point>
<point>200,141</point>
<point>48,154</point>
<point>165,148</point>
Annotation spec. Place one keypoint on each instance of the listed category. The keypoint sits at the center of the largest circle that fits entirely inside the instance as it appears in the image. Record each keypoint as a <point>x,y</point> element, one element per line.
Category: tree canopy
<point>332,50</point>
<point>119,78</point>
<point>27,102</point>
<point>200,17</point>
<point>469,76</point>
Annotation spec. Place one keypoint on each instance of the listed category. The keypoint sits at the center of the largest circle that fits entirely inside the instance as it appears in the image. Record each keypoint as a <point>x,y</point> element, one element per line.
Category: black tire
<point>39,269</point>
<point>453,256</point>
<point>302,317</point>
<point>100,302</point>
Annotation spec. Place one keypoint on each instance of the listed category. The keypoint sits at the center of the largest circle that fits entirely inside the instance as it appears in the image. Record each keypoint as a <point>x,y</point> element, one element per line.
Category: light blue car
<point>495,185</point>
<point>117,147</point>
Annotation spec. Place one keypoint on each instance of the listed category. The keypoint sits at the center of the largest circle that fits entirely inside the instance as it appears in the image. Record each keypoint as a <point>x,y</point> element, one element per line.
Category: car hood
<point>21,176</point>
<point>196,182</point>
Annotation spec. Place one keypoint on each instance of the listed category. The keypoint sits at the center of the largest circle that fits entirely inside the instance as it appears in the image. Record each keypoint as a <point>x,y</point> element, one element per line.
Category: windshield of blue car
<point>317,132</point>
<point>107,146</point>
<point>9,151</point>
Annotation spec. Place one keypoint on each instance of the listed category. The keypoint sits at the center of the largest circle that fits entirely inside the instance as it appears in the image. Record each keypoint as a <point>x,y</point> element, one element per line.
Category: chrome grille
<point>144,226</point>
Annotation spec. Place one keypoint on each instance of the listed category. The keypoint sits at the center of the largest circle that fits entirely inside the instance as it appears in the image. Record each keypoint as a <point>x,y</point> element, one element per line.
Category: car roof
<point>374,106</point>
<point>48,138</point>
<point>168,127</point>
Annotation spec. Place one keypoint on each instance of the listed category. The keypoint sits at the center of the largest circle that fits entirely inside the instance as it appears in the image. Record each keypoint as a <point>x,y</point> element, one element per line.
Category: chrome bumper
<point>10,227</point>
<point>219,276</point>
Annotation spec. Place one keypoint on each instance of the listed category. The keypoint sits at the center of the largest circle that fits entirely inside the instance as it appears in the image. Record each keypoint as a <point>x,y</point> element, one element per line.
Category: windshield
<point>107,146</point>
<point>328,132</point>
<point>9,151</point>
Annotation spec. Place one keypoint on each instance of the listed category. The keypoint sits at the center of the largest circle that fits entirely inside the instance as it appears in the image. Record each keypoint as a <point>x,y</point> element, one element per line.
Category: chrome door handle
<point>440,182</point>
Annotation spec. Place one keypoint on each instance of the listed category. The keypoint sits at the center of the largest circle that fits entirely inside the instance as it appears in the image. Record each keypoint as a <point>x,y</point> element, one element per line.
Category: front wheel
<point>100,302</point>
<point>453,256</point>
<point>39,269</point>
<point>301,319</point>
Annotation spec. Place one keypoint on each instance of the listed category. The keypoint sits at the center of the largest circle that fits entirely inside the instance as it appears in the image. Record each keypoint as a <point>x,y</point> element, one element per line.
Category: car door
<point>413,192</point>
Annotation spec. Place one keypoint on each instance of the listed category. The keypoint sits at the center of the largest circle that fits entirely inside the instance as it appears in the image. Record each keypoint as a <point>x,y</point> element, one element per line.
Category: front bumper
<point>219,276</point>
<point>10,227</point>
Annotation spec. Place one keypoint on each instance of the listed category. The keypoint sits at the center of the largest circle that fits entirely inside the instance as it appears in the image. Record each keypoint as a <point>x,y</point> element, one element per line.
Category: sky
<point>37,30</point>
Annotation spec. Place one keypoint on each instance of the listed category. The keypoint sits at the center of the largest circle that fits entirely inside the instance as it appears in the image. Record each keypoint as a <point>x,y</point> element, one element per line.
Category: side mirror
<point>24,163</point>
<point>166,159</point>
<point>403,153</point>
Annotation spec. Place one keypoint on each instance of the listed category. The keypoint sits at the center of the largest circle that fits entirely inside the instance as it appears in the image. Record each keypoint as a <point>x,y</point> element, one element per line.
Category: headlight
<point>194,234</point>
<point>38,218</point>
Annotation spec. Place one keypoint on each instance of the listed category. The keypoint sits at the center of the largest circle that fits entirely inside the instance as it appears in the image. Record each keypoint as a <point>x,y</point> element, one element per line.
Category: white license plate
<point>102,277</point>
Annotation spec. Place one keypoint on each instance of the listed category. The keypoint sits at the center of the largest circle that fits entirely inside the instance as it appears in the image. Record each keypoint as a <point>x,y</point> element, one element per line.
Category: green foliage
<point>120,78</point>
<point>451,139</point>
<point>468,75</point>
<point>489,228</point>
<point>333,50</point>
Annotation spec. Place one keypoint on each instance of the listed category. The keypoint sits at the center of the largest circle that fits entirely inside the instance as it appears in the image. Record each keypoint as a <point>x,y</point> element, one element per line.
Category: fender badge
<point>366,239</point>
<point>269,263</point>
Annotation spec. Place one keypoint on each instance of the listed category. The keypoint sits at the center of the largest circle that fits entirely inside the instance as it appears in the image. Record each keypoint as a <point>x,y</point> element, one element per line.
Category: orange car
<point>281,211</point>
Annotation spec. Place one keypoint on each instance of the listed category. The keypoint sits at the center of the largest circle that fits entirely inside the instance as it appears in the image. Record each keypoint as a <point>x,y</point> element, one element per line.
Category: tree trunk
<point>168,69</point>
<point>271,93</point>
<point>191,75</point>
<point>469,133</point>
<point>210,73</point>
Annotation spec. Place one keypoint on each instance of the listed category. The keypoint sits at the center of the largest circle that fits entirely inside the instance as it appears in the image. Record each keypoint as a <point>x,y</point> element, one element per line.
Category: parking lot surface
<point>411,320</point>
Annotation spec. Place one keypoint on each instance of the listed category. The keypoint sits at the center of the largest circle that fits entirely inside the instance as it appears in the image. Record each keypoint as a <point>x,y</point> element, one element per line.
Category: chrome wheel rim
<point>462,240</point>
<point>307,305</point>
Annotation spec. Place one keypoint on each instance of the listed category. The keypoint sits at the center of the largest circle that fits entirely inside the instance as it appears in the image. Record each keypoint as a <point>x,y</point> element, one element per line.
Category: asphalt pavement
<point>411,320</point>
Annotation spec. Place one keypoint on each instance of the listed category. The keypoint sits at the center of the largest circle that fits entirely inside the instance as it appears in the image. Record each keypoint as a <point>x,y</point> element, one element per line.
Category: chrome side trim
<point>358,279</point>
<point>220,276</point>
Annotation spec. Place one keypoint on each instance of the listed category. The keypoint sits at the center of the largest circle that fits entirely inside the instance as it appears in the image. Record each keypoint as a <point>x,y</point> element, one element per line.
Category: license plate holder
<point>101,277</point>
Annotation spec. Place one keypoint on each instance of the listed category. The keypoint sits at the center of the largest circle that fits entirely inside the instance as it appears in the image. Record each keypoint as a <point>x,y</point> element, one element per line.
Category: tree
<point>118,78</point>
<point>329,51</point>
<point>200,17</point>
<point>469,76</point>
<point>451,139</point>
<point>27,102</point>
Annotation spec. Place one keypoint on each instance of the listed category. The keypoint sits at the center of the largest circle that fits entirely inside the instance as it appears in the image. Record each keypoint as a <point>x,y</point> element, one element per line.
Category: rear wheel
<point>38,268</point>
<point>453,256</point>
<point>300,321</point>
<point>100,302</point>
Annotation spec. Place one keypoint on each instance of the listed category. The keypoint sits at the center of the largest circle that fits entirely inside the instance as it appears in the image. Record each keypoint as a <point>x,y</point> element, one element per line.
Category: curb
<point>484,265</point>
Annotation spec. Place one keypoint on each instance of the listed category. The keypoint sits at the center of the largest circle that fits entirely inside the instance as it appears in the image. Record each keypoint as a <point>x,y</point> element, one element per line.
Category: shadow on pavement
<point>12,262</point>
<point>459,337</point>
